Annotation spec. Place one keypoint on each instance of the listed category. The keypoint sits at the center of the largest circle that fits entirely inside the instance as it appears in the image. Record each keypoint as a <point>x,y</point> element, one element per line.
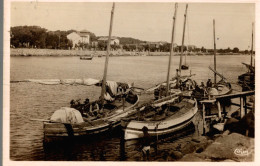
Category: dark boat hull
<point>86,58</point>
<point>184,67</point>
<point>59,131</point>
<point>247,81</point>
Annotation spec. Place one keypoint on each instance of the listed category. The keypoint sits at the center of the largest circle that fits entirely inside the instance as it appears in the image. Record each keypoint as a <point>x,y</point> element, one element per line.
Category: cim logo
<point>241,152</point>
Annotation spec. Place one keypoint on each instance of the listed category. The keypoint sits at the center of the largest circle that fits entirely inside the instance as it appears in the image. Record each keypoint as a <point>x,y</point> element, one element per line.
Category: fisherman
<point>72,104</point>
<point>209,83</point>
<point>146,142</point>
<point>94,109</point>
<point>86,108</point>
<point>202,86</point>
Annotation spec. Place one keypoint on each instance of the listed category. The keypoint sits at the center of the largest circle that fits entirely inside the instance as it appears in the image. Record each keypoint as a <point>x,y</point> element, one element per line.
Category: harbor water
<point>30,100</point>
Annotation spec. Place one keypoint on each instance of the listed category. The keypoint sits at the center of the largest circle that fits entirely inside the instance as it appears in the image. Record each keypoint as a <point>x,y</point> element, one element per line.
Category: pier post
<point>219,109</point>
<point>242,113</point>
<point>204,119</point>
<point>245,104</point>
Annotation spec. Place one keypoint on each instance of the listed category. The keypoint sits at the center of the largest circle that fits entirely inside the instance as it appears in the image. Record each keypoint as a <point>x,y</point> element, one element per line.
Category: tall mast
<point>251,62</point>
<point>215,66</point>
<point>183,36</point>
<point>171,51</point>
<point>107,56</point>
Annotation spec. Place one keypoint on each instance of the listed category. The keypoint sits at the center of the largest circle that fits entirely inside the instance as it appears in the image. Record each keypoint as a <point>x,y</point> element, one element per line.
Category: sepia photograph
<point>131,81</point>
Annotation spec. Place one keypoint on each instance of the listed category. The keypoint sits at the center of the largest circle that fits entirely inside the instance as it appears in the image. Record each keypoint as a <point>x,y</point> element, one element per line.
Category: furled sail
<point>84,81</point>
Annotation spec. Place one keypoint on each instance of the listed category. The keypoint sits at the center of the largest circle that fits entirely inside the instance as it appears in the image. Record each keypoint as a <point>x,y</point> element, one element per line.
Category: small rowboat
<point>184,67</point>
<point>116,111</point>
<point>86,57</point>
<point>178,116</point>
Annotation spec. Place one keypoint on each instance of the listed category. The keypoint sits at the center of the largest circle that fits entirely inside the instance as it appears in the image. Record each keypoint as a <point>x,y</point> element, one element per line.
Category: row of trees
<point>37,37</point>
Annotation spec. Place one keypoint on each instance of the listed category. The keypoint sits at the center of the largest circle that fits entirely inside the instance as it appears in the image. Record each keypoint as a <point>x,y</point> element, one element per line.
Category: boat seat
<point>110,106</point>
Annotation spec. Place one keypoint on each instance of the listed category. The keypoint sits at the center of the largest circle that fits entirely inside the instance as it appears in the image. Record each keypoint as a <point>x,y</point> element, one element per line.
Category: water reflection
<point>105,147</point>
<point>28,100</point>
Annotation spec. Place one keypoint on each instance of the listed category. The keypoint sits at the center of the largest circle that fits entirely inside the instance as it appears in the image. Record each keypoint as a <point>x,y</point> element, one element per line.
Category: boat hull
<point>184,67</point>
<point>58,131</point>
<point>86,58</point>
<point>157,128</point>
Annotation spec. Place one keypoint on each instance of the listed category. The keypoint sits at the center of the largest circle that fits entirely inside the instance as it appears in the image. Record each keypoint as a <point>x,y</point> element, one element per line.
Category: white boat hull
<point>156,128</point>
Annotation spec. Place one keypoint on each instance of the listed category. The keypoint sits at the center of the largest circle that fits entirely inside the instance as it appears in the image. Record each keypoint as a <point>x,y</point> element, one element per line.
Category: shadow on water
<point>85,148</point>
<point>130,150</point>
<point>109,146</point>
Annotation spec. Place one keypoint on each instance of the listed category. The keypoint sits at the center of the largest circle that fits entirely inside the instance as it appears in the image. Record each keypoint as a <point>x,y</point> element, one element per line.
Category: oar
<point>46,120</point>
<point>50,121</point>
<point>41,120</point>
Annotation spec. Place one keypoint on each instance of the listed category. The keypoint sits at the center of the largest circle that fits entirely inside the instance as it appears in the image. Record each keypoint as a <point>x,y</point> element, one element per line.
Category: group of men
<point>95,109</point>
<point>204,89</point>
<point>88,109</point>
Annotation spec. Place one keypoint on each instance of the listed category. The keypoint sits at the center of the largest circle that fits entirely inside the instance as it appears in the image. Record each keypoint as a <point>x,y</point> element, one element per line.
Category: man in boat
<point>146,143</point>
<point>202,86</point>
<point>77,105</point>
<point>95,109</point>
<point>86,108</point>
<point>209,83</point>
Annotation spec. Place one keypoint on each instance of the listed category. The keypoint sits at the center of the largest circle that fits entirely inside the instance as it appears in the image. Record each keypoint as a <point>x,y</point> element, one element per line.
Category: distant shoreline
<point>61,53</point>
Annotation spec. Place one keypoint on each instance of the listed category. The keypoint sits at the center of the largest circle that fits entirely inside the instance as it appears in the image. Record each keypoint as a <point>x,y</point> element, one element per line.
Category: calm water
<point>30,100</point>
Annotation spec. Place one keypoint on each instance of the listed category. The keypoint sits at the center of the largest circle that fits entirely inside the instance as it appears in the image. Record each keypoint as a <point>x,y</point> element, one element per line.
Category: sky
<point>149,21</point>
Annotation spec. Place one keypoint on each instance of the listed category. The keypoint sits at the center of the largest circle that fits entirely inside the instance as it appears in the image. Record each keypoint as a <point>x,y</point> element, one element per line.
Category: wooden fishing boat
<point>86,57</point>
<point>184,67</point>
<point>183,83</point>
<point>55,130</point>
<point>247,80</point>
<point>223,86</point>
<point>116,101</point>
<point>178,116</point>
<point>219,88</point>
<point>165,115</point>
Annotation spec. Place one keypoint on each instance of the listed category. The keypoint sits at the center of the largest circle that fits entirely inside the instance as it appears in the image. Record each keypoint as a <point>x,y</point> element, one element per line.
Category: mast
<point>171,51</point>
<point>215,66</point>
<point>183,36</point>
<point>251,62</point>
<point>107,56</point>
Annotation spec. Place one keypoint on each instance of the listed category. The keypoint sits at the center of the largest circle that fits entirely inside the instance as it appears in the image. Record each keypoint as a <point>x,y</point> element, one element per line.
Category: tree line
<point>37,37</point>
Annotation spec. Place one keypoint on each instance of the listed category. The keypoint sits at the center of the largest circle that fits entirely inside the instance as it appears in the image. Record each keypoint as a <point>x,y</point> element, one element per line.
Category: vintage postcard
<point>150,81</point>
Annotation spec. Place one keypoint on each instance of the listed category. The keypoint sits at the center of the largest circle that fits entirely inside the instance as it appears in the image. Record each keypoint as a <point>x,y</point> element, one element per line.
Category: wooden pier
<point>222,114</point>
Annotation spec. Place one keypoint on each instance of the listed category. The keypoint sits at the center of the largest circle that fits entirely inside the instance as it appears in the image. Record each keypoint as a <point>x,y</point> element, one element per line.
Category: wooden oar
<point>46,120</point>
<point>50,121</point>
<point>41,120</point>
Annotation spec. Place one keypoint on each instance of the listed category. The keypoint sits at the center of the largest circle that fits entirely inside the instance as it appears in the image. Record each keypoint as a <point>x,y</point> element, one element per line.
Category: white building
<point>114,40</point>
<point>79,37</point>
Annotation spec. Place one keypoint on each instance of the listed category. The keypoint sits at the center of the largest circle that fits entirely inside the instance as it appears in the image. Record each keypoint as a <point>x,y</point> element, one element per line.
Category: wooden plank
<point>248,107</point>
<point>211,116</point>
<point>235,95</point>
<point>208,101</point>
